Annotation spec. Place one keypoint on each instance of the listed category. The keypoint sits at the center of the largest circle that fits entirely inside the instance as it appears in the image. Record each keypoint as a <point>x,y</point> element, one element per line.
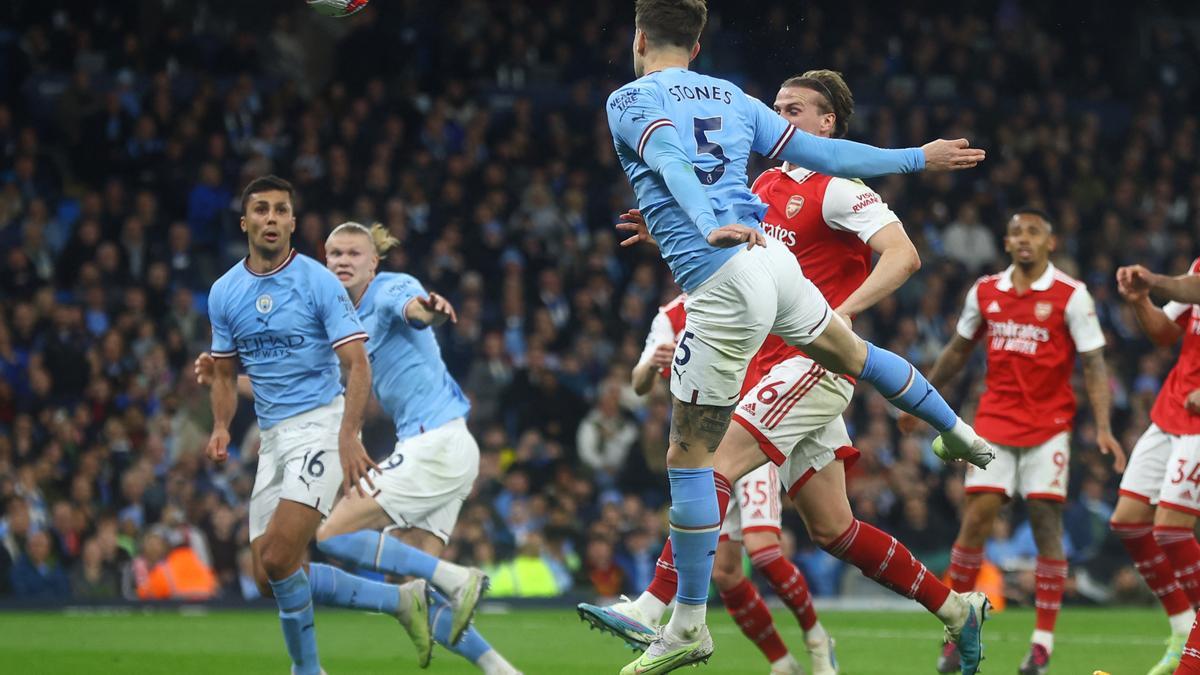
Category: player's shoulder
<point>1194,268</point>
<point>988,282</point>
<point>629,95</point>
<point>1065,283</point>
<point>228,282</point>
<point>766,178</point>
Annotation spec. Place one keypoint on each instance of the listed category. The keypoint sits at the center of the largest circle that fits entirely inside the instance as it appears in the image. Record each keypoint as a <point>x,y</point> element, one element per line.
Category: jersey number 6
<point>700,128</point>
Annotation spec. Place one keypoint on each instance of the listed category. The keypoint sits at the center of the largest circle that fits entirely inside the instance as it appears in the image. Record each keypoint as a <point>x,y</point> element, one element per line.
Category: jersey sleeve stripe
<point>223,355</point>
<point>349,338</point>
<point>782,142</point>
<point>656,124</point>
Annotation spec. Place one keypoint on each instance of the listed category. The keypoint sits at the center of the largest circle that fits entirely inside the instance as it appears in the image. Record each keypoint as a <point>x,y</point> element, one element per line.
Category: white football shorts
<point>427,478</point>
<point>795,414</point>
<point>298,461</point>
<point>1164,470</point>
<point>1037,472</point>
<point>755,293</point>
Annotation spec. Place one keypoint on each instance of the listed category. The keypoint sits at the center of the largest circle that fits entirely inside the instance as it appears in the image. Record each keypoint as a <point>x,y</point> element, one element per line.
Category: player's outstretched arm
<point>1134,284</point>
<point>223,397</point>
<point>775,138</point>
<point>355,461</point>
<point>1184,288</point>
<point>1095,380</point>
<point>431,310</point>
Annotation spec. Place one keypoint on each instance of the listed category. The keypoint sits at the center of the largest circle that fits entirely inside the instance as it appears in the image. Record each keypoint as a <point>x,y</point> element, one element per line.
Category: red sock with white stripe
<point>1151,562</point>
<point>1051,578</point>
<point>964,567</point>
<point>1190,663</point>
<point>788,583</point>
<point>882,558</point>
<point>750,613</point>
<point>1180,546</point>
<point>724,490</point>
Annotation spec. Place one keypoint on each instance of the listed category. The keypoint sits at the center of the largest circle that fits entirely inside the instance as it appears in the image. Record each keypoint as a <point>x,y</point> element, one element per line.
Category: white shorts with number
<point>298,461</point>
<point>795,414</point>
<point>755,293</point>
<point>1037,472</point>
<point>1164,470</point>
<point>755,505</point>
<point>427,477</point>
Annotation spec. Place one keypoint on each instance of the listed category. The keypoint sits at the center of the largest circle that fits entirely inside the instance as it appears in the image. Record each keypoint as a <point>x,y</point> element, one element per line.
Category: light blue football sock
<point>471,646</point>
<point>907,389</point>
<point>296,616</point>
<point>377,551</point>
<point>695,528</point>
<point>338,588</point>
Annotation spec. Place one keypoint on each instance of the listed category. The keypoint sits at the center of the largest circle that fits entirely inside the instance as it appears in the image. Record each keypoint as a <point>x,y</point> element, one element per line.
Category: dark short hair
<point>676,23</point>
<point>266,184</point>
<point>1033,211</point>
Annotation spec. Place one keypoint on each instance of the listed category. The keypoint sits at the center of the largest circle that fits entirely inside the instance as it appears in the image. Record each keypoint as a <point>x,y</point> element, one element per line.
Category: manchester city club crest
<point>264,303</point>
<point>794,205</point>
<point>1042,310</point>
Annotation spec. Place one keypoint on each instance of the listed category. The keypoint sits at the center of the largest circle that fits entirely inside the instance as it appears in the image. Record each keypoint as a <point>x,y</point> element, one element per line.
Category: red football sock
<point>1050,577</point>
<point>747,608</point>
<point>724,490</point>
<point>1181,548</point>
<point>666,579</point>
<point>787,581</point>
<point>1152,563</point>
<point>889,562</point>
<point>964,567</point>
<point>1190,663</point>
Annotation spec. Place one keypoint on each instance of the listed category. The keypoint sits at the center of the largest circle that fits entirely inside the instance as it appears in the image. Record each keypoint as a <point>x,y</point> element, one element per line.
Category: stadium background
<point>474,132</point>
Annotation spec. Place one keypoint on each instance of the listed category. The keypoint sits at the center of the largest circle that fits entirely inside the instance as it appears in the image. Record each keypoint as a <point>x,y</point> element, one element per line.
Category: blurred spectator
<point>166,572</point>
<point>605,436</point>
<point>36,574</point>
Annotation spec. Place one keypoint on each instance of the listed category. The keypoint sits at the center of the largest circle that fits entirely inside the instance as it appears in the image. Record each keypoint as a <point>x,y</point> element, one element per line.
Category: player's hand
<point>663,354</point>
<point>633,224</point>
<point>727,236</point>
<point>908,423</point>
<point>1109,446</point>
<point>1133,283</point>
<point>356,464</point>
<point>218,446</point>
<point>944,155</point>
<point>203,368</point>
<point>439,309</point>
<point>1192,402</point>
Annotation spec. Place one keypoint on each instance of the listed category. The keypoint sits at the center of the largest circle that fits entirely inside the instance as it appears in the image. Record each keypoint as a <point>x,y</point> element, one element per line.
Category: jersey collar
<point>797,173</point>
<point>278,268</point>
<point>1042,283</point>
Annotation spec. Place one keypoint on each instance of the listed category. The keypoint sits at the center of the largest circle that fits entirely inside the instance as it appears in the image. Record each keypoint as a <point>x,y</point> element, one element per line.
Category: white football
<point>337,8</point>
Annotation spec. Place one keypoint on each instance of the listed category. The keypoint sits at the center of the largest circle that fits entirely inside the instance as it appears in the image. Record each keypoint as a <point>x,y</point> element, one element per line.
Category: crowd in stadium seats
<point>475,133</point>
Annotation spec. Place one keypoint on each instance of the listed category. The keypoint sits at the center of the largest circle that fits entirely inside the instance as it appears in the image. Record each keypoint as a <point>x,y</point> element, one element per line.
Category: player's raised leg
<point>354,535</point>
<point>831,524</point>
<point>841,351</point>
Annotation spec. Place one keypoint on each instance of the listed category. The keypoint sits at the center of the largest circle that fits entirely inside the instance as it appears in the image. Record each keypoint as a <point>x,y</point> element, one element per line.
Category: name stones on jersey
<point>794,205</point>
<point>264,303</point>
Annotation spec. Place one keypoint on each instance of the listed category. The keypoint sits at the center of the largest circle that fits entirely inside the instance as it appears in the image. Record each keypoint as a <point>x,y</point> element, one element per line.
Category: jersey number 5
<point>700,128</point>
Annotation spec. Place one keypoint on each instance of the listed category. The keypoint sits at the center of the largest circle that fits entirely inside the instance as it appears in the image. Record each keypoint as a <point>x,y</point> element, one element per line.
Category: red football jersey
<point>826,223</point>
<point>666,327</point>
<point>1168,412</point>
<point>1032,339</point>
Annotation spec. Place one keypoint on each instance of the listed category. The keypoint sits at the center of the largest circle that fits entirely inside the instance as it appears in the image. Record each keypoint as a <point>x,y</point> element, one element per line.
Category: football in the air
<point>337,8</point>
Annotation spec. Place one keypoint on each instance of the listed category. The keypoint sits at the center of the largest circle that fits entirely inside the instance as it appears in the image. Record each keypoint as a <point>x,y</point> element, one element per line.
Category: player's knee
<point>278,562</point>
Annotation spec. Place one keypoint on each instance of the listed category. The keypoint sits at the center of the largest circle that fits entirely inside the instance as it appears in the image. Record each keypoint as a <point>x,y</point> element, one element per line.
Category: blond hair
<point>377,233</point>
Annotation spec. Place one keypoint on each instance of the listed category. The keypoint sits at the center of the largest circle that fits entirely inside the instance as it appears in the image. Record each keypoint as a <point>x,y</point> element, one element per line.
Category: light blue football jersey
<point>284,326</point>
<point>716,126</point>
<point>407,372</point>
